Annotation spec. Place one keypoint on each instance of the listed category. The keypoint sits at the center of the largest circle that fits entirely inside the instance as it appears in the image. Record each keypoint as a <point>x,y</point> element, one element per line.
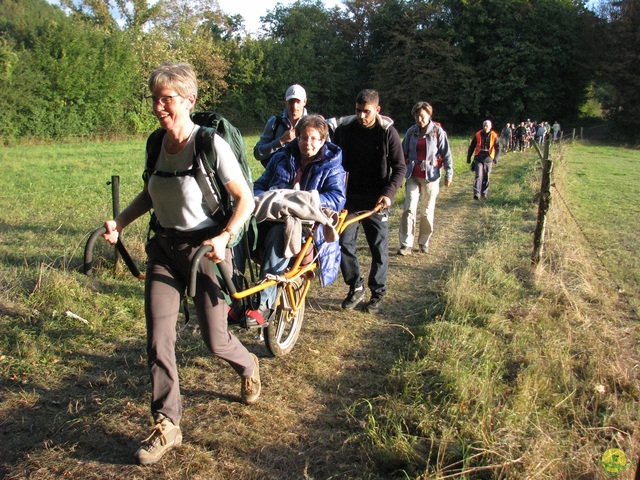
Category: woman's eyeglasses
<point>163,101</point>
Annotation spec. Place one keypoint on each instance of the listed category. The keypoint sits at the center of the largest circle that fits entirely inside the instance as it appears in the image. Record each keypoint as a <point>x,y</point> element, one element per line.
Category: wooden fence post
<point>543,205</point>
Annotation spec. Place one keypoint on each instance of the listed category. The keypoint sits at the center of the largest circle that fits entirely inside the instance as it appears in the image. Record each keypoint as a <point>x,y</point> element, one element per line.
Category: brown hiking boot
<point>164,436</point>
<point>251,385</point>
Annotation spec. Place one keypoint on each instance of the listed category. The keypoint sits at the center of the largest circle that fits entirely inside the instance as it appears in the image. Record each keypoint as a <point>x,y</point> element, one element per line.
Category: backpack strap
<point>154,145</point>
<point>278,121</point>
<point>203,169</point>
<point>205,162</point>
<point>436,131</point>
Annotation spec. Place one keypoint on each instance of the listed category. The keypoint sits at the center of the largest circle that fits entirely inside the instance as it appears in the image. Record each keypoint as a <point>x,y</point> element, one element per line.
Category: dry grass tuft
<point>528,373</point>
<point>479,366</point>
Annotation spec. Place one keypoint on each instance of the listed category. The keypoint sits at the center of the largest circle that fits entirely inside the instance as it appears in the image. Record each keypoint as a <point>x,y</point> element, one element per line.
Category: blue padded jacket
<point>327,176</point>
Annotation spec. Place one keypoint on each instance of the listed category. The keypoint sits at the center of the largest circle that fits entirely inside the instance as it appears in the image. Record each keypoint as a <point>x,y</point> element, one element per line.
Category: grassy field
<point>603,188</point>
<point>480,366</point>
<point>523,372</point>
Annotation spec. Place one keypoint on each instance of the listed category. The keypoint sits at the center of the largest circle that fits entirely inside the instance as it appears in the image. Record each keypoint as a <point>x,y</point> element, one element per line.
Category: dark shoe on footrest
<point>258,318</point>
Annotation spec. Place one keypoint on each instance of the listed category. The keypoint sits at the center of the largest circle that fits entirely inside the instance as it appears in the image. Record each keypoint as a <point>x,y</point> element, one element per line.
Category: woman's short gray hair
<point>179,77</point>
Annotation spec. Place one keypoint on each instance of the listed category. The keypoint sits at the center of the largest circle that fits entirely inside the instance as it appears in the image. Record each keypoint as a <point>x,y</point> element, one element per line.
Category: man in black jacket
<point>372,155</point>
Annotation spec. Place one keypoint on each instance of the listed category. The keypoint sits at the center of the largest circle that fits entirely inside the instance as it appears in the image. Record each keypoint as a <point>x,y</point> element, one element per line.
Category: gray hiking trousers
<point>169,261</point>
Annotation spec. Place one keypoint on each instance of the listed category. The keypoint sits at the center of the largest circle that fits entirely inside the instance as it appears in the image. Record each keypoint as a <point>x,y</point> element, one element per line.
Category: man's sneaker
<point>164,437</point>
<point>374,304</point>
<point>424,249</point>
<point>353,299</point>
<point>258,318</point>
<point>404,251</point>
<point>251,386</point>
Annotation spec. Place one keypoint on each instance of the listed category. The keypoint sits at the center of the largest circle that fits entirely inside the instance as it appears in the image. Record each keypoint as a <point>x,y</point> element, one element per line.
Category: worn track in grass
<point>90,426</point>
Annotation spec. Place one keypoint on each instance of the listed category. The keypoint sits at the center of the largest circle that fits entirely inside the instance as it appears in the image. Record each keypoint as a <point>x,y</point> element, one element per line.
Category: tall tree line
<point>81,68</point>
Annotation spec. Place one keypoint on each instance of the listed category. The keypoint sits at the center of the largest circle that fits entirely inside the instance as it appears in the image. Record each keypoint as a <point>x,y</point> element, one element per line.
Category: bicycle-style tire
<point>284,327</point>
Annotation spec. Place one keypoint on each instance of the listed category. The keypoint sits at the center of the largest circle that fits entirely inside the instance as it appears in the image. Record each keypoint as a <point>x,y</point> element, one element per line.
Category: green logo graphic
<point>614,461</point>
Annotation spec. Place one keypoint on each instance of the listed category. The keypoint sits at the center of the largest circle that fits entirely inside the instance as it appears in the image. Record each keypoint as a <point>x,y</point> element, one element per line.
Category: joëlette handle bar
<point>344,223</point>
<point>88,254</point>
<point>222,267</point>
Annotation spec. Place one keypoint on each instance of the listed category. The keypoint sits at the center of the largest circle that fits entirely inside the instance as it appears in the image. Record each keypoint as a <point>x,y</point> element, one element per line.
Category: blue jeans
<point>376,230</point>
<point>273,261</point>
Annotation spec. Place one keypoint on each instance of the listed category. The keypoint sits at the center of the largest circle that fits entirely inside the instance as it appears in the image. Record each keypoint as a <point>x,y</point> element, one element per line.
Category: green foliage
<point>619,68</point>
<point>525,64</point>
<point>306,47</point>
<point>246,102</point>
<point>82,71</point>
<point>185,27</point>
<point>592,107</point>
<point>69,79</point>
<point>400,32</point>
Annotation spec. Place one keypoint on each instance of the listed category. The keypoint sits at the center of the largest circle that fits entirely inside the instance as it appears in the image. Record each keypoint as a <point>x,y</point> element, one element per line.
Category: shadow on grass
<point>90,422</point>
<point>70,417</point>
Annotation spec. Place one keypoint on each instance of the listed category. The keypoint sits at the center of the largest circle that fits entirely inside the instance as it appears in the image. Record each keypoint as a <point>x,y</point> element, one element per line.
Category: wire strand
<point>604,266</point>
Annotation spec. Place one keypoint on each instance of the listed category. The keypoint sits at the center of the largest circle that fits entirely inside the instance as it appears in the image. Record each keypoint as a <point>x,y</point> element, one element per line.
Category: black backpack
<point>279,121</point>
<point>211,124</point>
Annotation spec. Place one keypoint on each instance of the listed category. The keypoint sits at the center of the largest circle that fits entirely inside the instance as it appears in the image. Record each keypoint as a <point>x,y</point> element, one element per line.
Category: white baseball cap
<point>295,91</point>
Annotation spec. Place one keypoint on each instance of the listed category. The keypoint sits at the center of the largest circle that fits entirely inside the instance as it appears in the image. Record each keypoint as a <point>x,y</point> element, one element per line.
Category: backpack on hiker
<point>279,120</point>
<point>204,167</point>
<point>435,136</point>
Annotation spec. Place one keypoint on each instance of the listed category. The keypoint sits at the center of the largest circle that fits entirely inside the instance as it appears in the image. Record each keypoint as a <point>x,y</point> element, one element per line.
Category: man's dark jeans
<point>481,181</point>
<point>376,230</point>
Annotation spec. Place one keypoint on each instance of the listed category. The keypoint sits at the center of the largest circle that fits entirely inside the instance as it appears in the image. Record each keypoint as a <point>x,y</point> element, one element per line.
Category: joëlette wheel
<point>285,325</point>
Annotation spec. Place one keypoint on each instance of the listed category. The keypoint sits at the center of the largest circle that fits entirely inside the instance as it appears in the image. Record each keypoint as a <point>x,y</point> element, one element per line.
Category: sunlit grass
<point>602,188</point>
<point>522,375</point>
<point>517,372</point>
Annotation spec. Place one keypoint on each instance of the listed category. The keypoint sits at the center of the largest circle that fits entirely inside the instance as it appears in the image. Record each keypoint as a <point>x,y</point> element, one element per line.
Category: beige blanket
<point>294,207</point>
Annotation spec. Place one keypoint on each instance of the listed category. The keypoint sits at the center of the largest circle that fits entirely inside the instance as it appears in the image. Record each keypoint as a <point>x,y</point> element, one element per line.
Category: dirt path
<point>300,428</point>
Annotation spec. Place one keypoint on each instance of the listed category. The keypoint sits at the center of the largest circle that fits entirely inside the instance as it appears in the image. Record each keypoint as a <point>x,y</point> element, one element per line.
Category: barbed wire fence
<point>543,209</point>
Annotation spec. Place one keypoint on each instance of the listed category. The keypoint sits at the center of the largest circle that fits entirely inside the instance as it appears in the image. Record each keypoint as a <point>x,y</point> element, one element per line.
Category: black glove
<point>468,159</point>
<point>473,166</point>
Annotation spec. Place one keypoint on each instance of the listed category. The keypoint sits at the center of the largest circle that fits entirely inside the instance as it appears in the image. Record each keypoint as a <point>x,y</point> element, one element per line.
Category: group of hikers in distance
<point>357,162</point>
<point>520,137</point>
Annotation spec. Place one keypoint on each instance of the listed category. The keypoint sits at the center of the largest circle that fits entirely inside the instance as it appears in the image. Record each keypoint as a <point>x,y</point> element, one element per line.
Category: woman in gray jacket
<point>426,151</point>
